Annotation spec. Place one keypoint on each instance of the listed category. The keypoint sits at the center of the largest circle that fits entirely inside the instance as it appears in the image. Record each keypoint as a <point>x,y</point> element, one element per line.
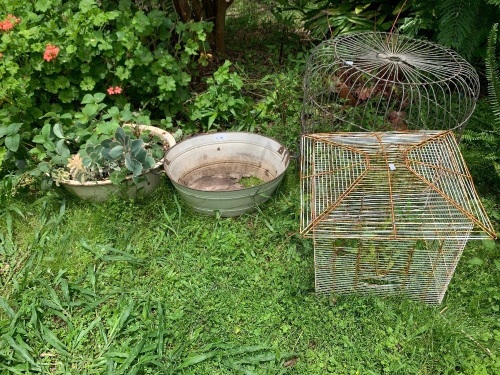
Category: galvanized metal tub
<point>206,171</point>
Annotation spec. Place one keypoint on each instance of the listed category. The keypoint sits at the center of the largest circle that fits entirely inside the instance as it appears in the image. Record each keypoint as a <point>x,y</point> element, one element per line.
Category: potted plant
<point>101,150</point>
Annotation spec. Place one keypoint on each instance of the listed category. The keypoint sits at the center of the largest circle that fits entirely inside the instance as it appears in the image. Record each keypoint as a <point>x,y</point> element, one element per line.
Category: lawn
<point>147,286</point>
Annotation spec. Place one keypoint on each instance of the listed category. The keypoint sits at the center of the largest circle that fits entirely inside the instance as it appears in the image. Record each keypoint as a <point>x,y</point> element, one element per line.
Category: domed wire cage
<point>379,81</point>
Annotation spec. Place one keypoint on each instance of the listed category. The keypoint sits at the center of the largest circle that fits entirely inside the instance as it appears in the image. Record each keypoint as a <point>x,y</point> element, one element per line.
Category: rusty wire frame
<point>378,81</point>
<point>389,212</point>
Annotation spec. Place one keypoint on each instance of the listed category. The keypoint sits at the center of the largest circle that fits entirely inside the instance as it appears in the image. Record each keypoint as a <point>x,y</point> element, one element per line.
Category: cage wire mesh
<point>389,212</point>
<point>379,81</point>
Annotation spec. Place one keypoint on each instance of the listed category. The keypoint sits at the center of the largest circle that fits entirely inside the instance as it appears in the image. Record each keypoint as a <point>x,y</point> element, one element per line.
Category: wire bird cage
<point>389,212</point>
<point>386,82</point>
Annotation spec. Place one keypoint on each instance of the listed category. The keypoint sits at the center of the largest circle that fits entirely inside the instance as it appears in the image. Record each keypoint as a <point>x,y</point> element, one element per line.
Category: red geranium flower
<point>114,90</point>
<point>6,25</point>
<point>9,23</point>
<point>51,52</point>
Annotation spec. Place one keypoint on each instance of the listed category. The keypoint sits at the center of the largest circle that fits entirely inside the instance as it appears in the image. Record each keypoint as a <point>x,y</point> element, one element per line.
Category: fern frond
<point>488,137</point>
<point>458,25</point>
<point>493,74</point>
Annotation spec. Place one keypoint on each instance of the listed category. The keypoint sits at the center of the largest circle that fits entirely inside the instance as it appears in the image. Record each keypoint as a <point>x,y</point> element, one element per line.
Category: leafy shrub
<point>222,105</point>
<point>53,52</point>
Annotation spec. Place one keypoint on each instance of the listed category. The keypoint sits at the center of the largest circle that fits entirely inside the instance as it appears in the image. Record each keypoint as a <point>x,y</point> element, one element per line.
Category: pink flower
<point>6,25</point>
<point>9,23</point>
<point>114,90</point>
<point>51,52</point>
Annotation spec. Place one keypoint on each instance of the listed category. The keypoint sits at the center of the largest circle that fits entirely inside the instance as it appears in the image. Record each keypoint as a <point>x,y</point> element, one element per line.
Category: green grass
<point>149,287</point>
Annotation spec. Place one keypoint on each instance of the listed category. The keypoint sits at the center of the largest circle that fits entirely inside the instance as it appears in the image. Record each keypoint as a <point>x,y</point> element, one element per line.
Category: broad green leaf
<point>57,129</point>
<point>87,99</point>
<point>488,244</point>
<point>99,97</point>
<point>11,129</point>
<point>136,145</point>
<point>120,135</point>
<point>107,127</point>
<point>476,261</point>
<point>12,142</point>
<point>117,177</point>
<point>86,161</point>
<point>125,115</point>
<point>149,163</point>
<point>49,146</point>
<point>62,149</point>
<point>90,109</point>
<point>166,83</point>
<point>133,165</point>
<point>116,152</point>
<point>87,83</point>
<point>140,155</point>
<point>45,132</point>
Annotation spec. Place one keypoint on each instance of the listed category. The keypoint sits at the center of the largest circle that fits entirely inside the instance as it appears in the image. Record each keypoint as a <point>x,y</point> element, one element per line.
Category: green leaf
<point>3,151</point>
<point>488,244</point>
<point>19,349</point>
<point>99,97</point>
<point>86,161</point>
<point>133,165</point>
<point>166,83</point>
<point>87,84</point>
<point>120,135</point>
<point>84,332</point>
<point>149,163</point>
<point>45,133</point>
<point>136,145</point>
<point>90,109</point>
<point>476,261</point>
<point>126,115</point>
<point>88,98</point>
<point>131,356</point>
<point>57,129</point>
<point>160,341</point>
<point>116,152</point>
<point>52,340</point>
<point>197,359</point>
<point>12,142</point>
<point>141,155</point>
<point>49,146</point>
<point>108,127</point>
<point>10,130</point>
<point>497,264</point>
<point>62,149</point>
<point>117,177</point>
<point>5,307</point>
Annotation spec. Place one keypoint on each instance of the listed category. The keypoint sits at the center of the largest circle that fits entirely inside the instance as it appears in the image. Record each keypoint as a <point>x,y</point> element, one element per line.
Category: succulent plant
<point>115,158</point>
